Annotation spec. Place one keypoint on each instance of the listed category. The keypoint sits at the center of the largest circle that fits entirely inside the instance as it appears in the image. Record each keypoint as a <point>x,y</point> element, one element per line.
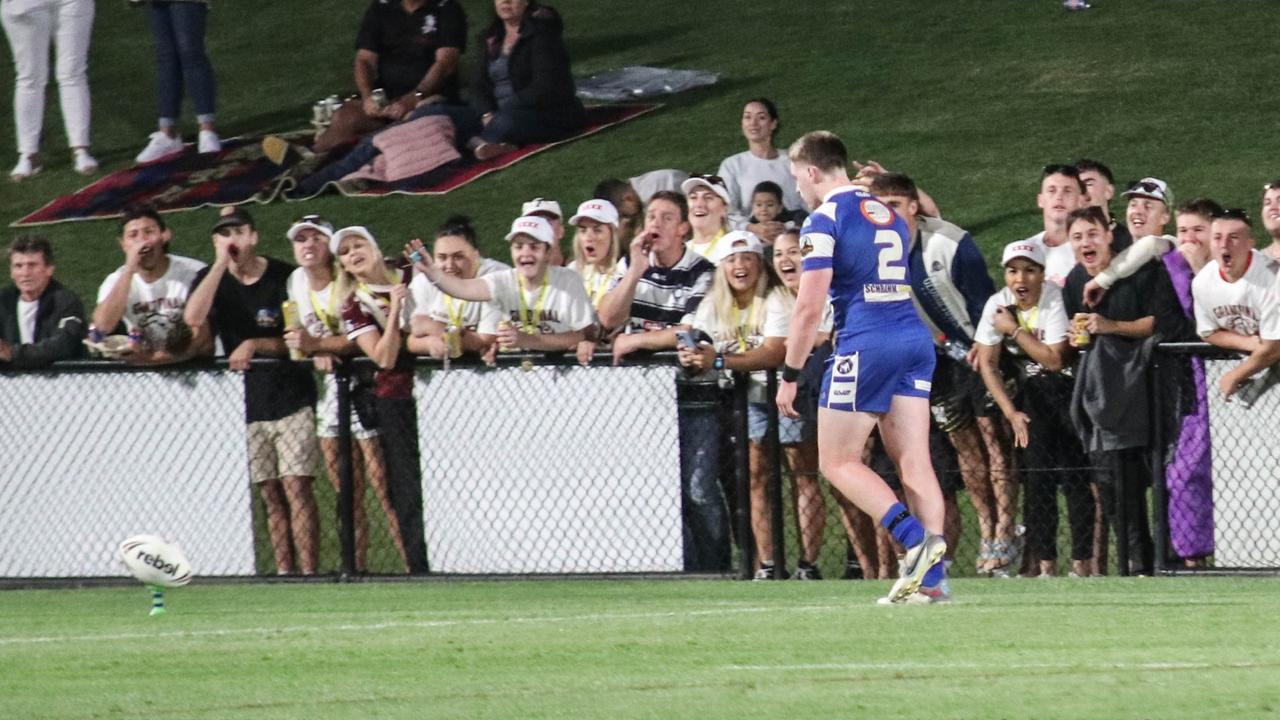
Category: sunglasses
<point>713,179</point>
<point>1234,214</point>
<point>312,220</point>
<point>1149,187</point>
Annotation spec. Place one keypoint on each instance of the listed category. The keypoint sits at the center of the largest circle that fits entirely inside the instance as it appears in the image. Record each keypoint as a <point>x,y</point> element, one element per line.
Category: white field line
<point>409,624</point>
<point>965,666</point>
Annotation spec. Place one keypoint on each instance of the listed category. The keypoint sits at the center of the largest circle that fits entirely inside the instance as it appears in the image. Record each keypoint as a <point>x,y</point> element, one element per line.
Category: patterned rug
<point>240,174</point>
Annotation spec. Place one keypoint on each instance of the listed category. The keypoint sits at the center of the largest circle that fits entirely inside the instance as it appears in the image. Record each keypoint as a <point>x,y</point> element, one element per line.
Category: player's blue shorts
<point>867,380</point>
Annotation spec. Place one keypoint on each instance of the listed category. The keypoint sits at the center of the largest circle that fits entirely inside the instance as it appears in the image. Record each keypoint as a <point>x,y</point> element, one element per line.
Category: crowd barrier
<point>541,466</point>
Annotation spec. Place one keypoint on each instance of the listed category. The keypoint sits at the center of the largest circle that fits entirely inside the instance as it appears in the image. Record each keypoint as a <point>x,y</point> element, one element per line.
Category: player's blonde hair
<point>821,149</point>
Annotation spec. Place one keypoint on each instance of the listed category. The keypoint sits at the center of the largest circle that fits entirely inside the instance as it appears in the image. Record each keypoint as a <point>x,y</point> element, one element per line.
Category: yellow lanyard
<point>710,252</point>
<point>527,326</point>
<point>455,318</point>
<point>327,316</point>
<point>741,330</point>
<point>596,284</point>
<point>1027,319</point>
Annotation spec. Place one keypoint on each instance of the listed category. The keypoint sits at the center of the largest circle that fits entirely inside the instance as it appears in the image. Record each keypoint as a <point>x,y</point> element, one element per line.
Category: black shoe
<point>807,571</point>
<point>853,570</point>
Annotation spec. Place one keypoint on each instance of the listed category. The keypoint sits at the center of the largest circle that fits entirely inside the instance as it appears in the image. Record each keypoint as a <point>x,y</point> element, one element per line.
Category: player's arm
<point>805,317</point>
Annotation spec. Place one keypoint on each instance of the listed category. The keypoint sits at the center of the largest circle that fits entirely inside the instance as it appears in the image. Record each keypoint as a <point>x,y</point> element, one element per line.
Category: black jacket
<point>538,67</point>
<point>60,327</point>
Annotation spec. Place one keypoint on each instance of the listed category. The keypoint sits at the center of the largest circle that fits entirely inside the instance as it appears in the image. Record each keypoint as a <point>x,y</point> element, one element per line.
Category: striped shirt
<point>665,295</point>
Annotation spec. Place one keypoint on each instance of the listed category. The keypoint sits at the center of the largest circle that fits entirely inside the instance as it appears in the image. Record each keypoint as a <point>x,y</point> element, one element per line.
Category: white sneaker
<point>24,169</point>
<point>161,146</point>
<point>84,162</point>
<point>209,142</point>
<point>915,564</point>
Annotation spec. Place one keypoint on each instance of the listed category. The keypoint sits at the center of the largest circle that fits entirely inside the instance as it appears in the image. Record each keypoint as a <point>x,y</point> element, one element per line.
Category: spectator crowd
<point>1040,386</point>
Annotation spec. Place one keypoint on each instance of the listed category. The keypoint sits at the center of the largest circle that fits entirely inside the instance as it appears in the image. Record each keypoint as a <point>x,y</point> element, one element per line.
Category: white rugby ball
<point>155,562</point>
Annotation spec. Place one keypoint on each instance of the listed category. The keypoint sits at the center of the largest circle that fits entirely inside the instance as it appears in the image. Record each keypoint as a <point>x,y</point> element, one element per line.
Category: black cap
<point>235,218</point>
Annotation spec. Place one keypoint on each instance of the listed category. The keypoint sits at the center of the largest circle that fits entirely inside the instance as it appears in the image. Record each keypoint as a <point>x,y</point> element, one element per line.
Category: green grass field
<point>1141,648</point>
<point>971,98</point>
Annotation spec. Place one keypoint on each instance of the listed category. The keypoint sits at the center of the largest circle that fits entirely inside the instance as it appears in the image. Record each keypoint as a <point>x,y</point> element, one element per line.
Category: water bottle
<point>955,350</point>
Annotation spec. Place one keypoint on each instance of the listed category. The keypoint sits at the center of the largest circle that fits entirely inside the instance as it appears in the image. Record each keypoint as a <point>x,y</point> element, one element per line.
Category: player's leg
<point>905,432</point>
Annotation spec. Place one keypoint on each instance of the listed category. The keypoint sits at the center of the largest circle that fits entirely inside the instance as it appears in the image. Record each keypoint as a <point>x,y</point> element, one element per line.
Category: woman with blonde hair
<point>744,320</point>
<point>375,310</point>
<point>318,335</point>
<point>595,258</point>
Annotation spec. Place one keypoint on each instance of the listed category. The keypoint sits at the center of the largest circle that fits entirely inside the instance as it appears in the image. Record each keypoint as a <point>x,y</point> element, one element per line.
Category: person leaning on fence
<point>551,212</point>
<point>238,298</point>
<point>1271,217</point>
<point>440,320</point>
<point>745,317</point>
<point>1189,470</point>
<point>950,284</point>
<point>1230,291</point>
<point>1024,328</point>
<point>708,213</point>
<point>317,334</point>
<point>1110,402</point>
<point>376,307</point>
<point>534,306</point>
<point>41,320</point>
<point>663,282</point>
<point>149,292</point>
<point>802,454</point>
<point>1268,352</point>
<point>595,259</point>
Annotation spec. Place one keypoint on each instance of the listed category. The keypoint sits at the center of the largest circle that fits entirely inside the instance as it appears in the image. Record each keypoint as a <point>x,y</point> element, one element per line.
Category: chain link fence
<point>542,466</point>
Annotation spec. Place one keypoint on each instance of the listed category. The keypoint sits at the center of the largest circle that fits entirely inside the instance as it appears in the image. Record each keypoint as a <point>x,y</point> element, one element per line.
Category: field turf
<point>1104,648</point>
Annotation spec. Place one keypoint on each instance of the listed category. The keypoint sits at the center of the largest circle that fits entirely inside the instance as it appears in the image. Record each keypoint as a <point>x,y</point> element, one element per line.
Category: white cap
<point>1028,249</point>
<point>535,226</point>
<point>711,182</point>
<point>310,222</point>
<point>602,211</point>
<point>738,241</point>
<point>540,205</point>
<point>354,230</point>
<point>1149,187</point>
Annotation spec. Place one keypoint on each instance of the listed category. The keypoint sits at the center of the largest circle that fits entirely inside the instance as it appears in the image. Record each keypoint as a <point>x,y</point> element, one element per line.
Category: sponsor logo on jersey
<point>877,212</point>
<point>885,292</point>
<point>806,245</point>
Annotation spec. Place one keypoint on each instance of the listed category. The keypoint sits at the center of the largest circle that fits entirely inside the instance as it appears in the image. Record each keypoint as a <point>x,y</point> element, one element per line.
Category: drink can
<point>95,335</point>
<point>289,311</point>
<point>453,341</point>
<point>1081,333</point>
<point>379,97</point>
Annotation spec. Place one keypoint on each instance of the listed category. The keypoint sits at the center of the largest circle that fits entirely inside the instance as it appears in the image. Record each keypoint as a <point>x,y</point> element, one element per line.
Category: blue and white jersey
<point>864,243</point>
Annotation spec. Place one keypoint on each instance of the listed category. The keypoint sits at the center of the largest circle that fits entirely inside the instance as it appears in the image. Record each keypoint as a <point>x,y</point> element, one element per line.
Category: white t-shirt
<point>765,319</point>
<point>742,172</point>
<point>596,283</point>
<point>564,307</point>
<point>1047,320</point>
<point>156,307</point>
<point>430,302</point>
<point>1236,307</point>
<point>319,311</point>
<point>1058,260</point>
<point>1269,328</point>
<point>27,320</point>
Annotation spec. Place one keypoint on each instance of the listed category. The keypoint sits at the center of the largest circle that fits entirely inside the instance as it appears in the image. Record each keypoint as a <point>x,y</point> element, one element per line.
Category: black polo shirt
<point>406,43</point>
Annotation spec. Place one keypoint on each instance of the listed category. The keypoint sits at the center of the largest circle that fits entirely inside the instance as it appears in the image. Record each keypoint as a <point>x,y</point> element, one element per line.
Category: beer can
<point>1082,337</point>
<point>453,341</point>
<point>289,311</point>
<point>379,97</point>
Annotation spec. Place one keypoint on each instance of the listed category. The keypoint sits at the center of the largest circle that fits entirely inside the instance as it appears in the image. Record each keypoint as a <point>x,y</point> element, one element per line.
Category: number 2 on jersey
<point>890,265</point>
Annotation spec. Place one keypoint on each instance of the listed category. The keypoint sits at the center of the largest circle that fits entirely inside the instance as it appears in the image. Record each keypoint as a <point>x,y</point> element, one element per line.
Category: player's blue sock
<point>935,575</point>
<point>903,526</point>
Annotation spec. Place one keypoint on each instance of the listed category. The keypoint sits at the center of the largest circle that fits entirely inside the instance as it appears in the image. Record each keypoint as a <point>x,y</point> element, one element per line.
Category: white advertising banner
<point>90,459</point>
<point>550,470</point>
<point>1246,481</point>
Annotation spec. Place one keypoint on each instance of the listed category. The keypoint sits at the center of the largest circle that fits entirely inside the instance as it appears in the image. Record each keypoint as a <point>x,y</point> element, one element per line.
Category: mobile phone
<point>685,339</point>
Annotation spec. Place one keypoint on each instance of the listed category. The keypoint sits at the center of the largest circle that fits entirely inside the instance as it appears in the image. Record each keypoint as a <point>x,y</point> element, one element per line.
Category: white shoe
<point>24,169</point>
<point>939,595</point>
<point>915,564</point>
<point>209,142</point>
<point>160,147</point>
<point>84,162</point>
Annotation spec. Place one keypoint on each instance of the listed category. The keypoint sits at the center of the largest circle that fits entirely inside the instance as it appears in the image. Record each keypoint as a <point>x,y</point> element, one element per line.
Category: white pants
<point>31,25</point>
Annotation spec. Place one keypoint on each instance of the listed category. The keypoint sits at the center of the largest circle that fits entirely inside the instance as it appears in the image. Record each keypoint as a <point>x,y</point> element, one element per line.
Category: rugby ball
<point>155,562</point>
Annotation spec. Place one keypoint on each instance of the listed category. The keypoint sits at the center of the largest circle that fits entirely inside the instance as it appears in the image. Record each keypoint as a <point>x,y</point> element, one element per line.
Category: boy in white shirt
<point>1229,291</point>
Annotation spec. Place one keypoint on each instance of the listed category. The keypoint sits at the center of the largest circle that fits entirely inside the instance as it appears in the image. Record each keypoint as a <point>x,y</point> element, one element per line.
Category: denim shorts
<point>790,430</point>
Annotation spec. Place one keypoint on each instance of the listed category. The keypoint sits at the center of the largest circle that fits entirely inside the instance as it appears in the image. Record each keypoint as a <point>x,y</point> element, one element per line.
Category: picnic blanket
<point>241,173</point>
